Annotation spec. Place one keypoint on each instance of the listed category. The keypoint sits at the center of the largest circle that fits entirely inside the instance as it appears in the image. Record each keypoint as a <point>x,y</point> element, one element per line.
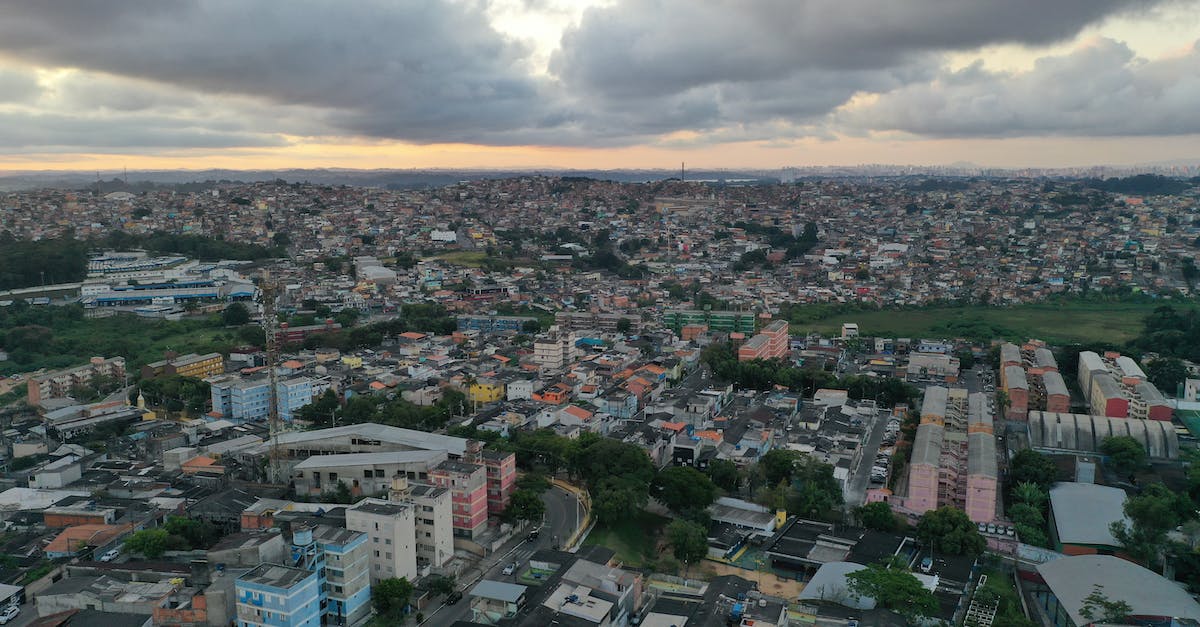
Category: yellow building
<point>485,391</point>
<point>352,361</point>
<point>190,365</point>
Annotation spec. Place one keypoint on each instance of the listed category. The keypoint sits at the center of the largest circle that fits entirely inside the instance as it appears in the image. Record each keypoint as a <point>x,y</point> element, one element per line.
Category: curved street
<point>564,515</point>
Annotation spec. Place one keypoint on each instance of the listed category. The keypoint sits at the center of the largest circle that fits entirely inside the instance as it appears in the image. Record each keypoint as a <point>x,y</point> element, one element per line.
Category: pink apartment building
<point>948,469</point>
<point>468,495</point>
<point>501,470</point>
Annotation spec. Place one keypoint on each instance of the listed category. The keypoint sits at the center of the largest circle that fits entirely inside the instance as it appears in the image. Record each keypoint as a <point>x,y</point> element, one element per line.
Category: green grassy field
<point>633,540</point>
<point>470,259</point>
<point>1056,323</point>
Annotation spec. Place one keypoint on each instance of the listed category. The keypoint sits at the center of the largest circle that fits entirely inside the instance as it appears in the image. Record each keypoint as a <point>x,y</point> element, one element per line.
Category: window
<point>387,541</point>
<point>377,529</point>
<point>387,556</point>
<point>428,535</point>
<point>333,476</point>
<point>368,474</point>
<point>376,553</point>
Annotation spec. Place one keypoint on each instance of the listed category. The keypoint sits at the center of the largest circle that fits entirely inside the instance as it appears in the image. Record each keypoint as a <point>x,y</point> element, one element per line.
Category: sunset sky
<point>106,84</point>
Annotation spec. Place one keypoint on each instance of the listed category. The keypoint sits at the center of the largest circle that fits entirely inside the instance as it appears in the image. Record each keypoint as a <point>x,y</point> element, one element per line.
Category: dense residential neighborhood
<point>556,400</point>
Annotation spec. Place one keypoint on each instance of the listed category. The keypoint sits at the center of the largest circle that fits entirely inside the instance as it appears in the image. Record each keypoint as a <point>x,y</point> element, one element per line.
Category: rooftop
<point>276,576</point>
<point>1072,579</point>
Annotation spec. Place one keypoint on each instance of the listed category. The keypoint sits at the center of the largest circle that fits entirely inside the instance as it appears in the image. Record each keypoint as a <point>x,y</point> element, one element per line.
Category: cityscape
<point>600,313</point>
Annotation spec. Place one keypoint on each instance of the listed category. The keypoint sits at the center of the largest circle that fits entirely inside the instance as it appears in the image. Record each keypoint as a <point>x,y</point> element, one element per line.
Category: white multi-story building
<point>555,351</point>
<point>433,523</point>
<point>391,529</point>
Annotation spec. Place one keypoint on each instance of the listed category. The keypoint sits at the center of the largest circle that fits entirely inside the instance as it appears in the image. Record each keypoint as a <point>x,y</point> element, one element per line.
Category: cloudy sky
<point>104,84</point>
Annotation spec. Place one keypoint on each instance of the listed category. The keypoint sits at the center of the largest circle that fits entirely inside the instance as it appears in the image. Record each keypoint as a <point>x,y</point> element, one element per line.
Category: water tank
<point>302,536</point>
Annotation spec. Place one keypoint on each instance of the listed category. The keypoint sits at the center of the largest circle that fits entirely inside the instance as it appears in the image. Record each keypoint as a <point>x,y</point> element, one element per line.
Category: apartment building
<point>501,470</point>
<point>432,521</point>
<point>1016,386</point>
<point>190,365</point>
<point>1116,387</point>
<point>770,343</point>
<point>234,398</point>
<point>61,383</point>
<point>724,321</point>
<point>556,350</point>
<point>391,527</point>
<point>467,484</point>
<point>346,585</point>
<point>273,595</point>
<point>953,456</point>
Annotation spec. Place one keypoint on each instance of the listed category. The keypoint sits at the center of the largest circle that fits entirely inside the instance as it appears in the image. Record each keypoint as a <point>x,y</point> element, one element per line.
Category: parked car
<point>110,555</point>
<point>509,569</point>
<point>926,564</point>
<point>9,613</point>
<point>454,597</point>
<point>992,529</point>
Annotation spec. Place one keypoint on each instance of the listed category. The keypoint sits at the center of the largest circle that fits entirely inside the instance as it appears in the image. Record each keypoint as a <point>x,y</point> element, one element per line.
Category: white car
<point>509,569</point>
<point>110,555</point>
<point>8,614</point>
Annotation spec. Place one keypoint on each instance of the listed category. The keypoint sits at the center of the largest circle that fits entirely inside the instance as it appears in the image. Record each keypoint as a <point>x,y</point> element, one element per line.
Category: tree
<point>1030,494</point>
<point>524,505</point>
<point>623,325</point>
<point>689,541</point>
<point>1030,466</point>
<point>948,530</point>
<point>778,465</point>
<point>1099,608</point>
<point>441,584</point>
<point>1152,514</point>
<point>724,474</point>
<point>893,588</point>
<point>615,499</point>
<point>197,534</point>
<point>1125,454</point>
<point>235,315</point>
<point>877,515</point>
<point>391,596</point>
<point>149,542</point>
<point>1166,373</point>
<point>683,487</point>
<point>817,493</point>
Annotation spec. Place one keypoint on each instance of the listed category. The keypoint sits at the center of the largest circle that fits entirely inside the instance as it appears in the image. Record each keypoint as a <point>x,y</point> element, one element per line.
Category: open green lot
<point>1057,323</point>
<point>470,259</point>
<point>633,540</point>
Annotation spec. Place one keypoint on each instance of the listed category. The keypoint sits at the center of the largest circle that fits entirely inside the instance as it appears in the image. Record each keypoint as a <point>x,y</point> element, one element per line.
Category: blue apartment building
<point>273,595</point>
<point>244,400</point>
<point>346,585</point>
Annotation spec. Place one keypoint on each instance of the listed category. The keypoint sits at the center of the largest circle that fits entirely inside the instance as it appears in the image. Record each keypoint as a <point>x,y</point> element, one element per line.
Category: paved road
<point>563,517</point>
<point>855,493</point>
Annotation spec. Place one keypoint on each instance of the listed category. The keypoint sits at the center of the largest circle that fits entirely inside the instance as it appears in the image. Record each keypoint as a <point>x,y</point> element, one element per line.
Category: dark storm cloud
<point>436,70</point>
<point>639,47</point>
<point>1101,89</point>
<point>422,70</point>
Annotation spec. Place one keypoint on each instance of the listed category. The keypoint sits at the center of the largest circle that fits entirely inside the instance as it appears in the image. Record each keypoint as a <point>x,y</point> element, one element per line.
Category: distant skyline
<point>604,84</point>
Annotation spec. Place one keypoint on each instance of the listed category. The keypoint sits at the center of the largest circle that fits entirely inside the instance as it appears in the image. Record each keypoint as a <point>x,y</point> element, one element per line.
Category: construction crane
<point>270,292</point>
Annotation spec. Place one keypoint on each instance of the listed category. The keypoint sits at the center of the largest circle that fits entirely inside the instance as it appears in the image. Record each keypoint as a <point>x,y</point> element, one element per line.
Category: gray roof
<point>1108,386</point>
<point>927,446</point>
<point>1084,511</point>
<point>498,590</point>
<point>1010,352</point>
<point>1072,579</point>
<point>1129,367</point>
<point>977,410</point>
<point>1043,358</point>
<point>1014,376</point>
<point>1150,394</point>
<point>1089,360</point>
<point>829,584</point>
<point>1054,384</point>
<point>276,575</point>
<point>981,454</point>
<point>934,403</point>
<point>372,459</point>
<point>383,433</point>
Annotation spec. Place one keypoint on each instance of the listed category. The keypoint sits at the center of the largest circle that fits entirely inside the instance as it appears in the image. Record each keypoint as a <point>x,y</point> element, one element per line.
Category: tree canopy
<point>1125,454</point>
<point>1030,466</point>
<point>895,589</point>
<point>682,487</point>
<point>391,596</point>
<point>878,516</point>
<point>948,530</point>
<point>689,542</point>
